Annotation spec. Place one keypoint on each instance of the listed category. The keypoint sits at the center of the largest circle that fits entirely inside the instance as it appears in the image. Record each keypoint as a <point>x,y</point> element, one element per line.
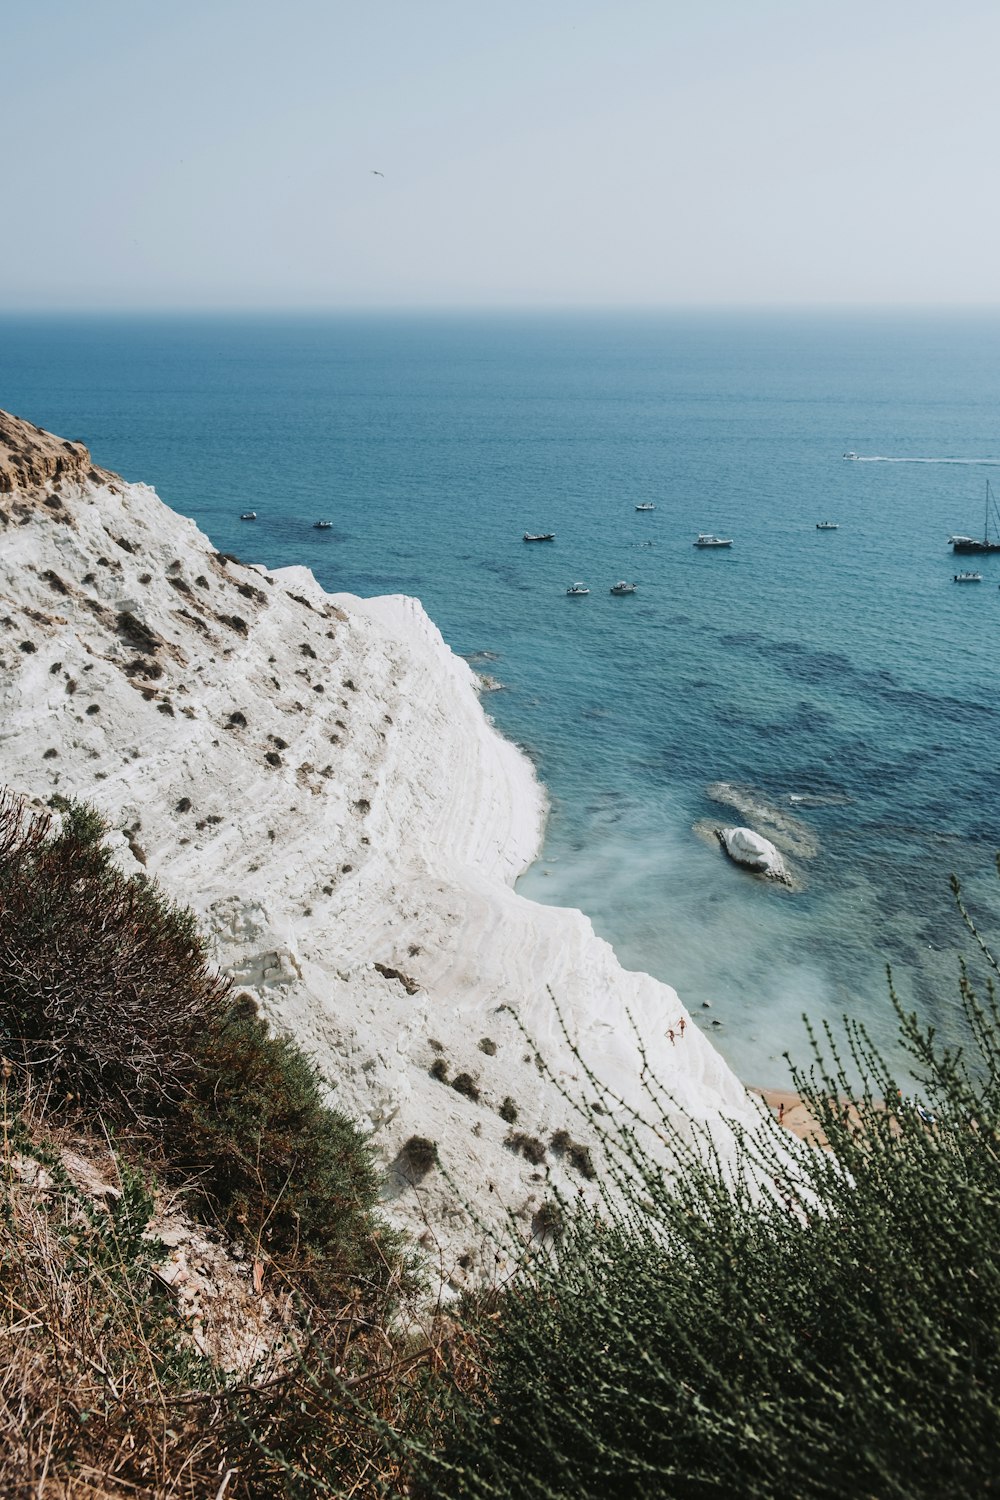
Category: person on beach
<point>670,1034</point>
<point>781,1113</point>
<point>681,1025</point>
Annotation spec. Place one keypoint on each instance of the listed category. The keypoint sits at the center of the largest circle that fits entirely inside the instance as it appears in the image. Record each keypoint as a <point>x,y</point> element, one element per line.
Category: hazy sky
<point>219,153</point>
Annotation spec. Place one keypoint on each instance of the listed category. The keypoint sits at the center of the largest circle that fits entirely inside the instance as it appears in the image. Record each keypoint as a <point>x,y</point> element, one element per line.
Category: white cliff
<point>315,775</point>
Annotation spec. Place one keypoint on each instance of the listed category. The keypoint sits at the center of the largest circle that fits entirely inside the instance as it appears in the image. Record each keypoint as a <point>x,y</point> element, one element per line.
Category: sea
<point>835,688</point>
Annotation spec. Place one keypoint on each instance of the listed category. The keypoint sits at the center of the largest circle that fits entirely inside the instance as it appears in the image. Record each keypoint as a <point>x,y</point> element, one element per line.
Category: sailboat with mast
<point>971,543</point>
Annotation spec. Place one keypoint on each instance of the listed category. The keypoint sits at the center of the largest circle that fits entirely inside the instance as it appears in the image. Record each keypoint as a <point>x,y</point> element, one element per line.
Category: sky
<point>222,154</point>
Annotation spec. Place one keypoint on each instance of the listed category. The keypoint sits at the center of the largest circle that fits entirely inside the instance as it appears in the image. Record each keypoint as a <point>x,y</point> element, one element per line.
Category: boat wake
<point>878,458</point>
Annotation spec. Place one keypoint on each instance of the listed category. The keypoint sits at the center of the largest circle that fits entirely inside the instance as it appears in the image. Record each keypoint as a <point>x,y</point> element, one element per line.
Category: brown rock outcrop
<point>35,463</point>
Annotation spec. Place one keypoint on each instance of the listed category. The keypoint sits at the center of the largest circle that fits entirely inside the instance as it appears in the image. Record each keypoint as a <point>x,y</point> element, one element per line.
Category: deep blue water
<point>845,668</point>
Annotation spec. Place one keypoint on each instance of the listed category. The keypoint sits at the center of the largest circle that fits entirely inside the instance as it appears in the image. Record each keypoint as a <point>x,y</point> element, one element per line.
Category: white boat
<point>623,588</point>
<point>646,505</point>
<point>248,515</point>
<point>968,577</point>
<point>827,525</point>
<point>706,539</point>
<point>850,455</point>
<point>322,525</point>
<point>577,590</point>
<point>539,536</point>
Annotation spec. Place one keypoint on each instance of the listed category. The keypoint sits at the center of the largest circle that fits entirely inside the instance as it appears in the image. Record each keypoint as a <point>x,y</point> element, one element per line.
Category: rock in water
<point>754,852</point>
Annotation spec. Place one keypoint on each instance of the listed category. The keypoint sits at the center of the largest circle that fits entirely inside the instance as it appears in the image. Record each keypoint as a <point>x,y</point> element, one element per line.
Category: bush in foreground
<point>830,1326</point>
<point>273,1165</point>
<point>103,981</point>
<point>826,1325</point>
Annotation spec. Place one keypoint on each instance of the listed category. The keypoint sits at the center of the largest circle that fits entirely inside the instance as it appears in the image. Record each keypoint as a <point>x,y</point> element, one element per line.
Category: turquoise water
<point>840,677</point>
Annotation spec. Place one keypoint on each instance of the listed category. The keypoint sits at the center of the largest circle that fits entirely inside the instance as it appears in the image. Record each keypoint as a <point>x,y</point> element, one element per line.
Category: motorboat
<point>539,536</point>
<point>968,577</point>
<point>706,539</point>
<point>971,543</point>
<point>248,515</point>
<point>322,525</point>
<point>827,525</point>
<point>577,590</point>
<point>623,588</point>
<point>850,455</point>
<point>646,505</point>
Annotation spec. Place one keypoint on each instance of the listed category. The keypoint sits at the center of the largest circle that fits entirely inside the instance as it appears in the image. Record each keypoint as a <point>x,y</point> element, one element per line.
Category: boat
<point>248,515</point>
<point>539,536</point>
<point>322,525</point>
<point>623,588</point>
<point>646,505</point>
<point>968,577</point>
<point>577,590</point>
<point>850,455</point>
<point>827,525</point>
<point>971,543</point>
<point>706,539</point>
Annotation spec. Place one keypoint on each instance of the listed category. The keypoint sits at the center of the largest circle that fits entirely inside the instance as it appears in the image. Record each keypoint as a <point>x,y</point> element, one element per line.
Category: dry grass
<point>104,1391</point>
<point>91,1344</point>
<point>110,1019</point>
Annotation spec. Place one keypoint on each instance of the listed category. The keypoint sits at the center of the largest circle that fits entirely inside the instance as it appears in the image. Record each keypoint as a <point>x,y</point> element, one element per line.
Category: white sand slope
<point>315,775</point>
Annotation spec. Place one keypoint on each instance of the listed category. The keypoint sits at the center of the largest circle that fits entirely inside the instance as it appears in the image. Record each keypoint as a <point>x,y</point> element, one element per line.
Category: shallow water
<point>838,677</point>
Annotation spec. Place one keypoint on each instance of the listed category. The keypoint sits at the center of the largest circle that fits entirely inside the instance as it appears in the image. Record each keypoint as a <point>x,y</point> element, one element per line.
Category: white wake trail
<point>878,458</point>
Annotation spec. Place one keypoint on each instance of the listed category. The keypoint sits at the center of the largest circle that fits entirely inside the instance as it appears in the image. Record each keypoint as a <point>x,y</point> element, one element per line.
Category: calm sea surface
<point>840,679</point>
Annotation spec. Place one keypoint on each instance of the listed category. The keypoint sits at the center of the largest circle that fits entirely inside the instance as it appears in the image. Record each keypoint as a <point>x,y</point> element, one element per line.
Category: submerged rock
<point>754,852</point>
<point>793,835</point>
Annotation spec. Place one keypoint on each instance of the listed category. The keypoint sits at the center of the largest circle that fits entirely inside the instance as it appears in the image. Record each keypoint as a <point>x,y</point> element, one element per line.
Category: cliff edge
<point>315,776</point>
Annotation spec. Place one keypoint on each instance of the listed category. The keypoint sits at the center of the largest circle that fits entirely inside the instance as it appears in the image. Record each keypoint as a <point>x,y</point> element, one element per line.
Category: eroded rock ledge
<point>34,464</point>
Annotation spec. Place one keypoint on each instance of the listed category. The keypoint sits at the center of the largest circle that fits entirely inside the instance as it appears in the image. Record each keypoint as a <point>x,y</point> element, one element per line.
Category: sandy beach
<point>791,1111</point>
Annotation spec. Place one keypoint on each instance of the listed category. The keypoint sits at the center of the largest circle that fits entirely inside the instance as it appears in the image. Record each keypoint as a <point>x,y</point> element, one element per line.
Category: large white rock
<point>754,852</point>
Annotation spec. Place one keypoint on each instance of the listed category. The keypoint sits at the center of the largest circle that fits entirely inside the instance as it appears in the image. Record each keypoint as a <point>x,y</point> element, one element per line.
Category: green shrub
<point>270,1161</point>
<point>825,1322</point>
<point>81,824</point>
<point>103,981</point>
<point>464,1083</point>
<point>106,998</point>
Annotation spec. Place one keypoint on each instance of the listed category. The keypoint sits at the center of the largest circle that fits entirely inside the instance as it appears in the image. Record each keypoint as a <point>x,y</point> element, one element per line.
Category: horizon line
<point>492,309</point>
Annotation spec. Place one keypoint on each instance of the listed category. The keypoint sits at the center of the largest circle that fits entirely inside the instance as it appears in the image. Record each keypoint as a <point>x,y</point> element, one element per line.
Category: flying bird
<point>376,173</point>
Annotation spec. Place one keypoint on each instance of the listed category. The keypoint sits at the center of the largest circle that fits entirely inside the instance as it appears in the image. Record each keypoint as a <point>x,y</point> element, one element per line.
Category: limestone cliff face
<point>314,774</point>
<point>35,464</point>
